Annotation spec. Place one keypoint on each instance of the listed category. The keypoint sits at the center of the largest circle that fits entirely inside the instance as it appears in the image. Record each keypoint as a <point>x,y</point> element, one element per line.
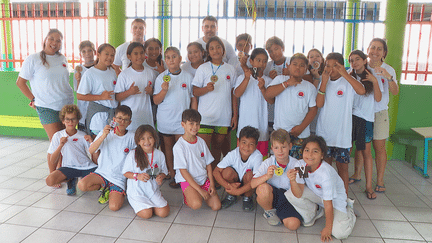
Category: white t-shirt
<point>95,81</point>
<point>272,66</point>
<point>215,107</point>
<point>335,119</point>
<point>154,68</point>
<point>235,62</point>
<point>326,183</point>
<point>383,104</point>
<point>194,157</point>
<point>177,99</point>
<point>74,152</point>
<point>49,83</point>
<point>140,104</point>
<point>114,150</point>
<point>120,58</point>
<point>253,107</point>
<point>82,104</point>
<point>233,159</point>
<point>187,66</point>
<point>229,50</point>
<point>292,104</point>
<point>140,188</point>
<point>281,181</point>
<point>364,105</point>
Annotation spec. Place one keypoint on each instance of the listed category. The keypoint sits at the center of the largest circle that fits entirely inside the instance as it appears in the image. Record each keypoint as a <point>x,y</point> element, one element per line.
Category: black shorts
<point>71,173</point>
<point>284,209</point>
<point>359,132</point>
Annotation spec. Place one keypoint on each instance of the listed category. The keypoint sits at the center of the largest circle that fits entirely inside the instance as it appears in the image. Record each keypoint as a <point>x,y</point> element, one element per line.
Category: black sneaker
<point>229,201</point>
<point>248,204</point>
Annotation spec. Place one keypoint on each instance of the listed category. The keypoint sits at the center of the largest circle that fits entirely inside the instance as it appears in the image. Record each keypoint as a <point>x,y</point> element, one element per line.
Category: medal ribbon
<point>284,169</point>
<point>274,65</point>
<point>214,72</point>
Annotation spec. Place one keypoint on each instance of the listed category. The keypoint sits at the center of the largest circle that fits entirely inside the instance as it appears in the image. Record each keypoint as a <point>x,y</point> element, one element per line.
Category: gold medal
<point>166,78</point>
<point>279,171</point>
<point>214,78</point>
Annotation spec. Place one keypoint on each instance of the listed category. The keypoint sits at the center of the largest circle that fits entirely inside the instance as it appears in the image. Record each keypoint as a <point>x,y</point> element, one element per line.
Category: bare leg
<point>247,178</point>
<point>116,200</point>
<point>50,129</point>
<point>162,212</point>
<point>214,202</point>
<point>91,182</point>
<point>358,164</point>
<point>380,160</point>
<point>168,145</point>
<point>145,213</point>
<point>343,173</point>
<point>193,198</point>
<point>368,166</point>
<point>291,223</point>
<point>217,141</point>
<point>56,177</point>
<point>265,196</point>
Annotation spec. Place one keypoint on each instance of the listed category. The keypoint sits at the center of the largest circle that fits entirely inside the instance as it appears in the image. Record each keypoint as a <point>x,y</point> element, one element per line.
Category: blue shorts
<point>71,173</point>
<point>284,209</point>
<point>112,187</point>
<point>341,155</point>
<point>369,132</point>
<point>47,115</point>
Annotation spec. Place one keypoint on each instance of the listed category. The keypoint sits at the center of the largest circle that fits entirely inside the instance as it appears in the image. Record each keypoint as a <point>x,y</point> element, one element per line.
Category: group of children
<point>198,104</point>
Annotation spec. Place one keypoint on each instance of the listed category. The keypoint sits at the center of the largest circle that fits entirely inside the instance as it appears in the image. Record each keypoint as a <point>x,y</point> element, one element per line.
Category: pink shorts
<point>262,146</point>
<point>185,185</point>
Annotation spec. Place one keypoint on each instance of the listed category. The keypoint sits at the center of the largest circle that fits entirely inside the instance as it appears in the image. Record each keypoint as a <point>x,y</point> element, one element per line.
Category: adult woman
<point>377,51</point>
<point>48,75</point>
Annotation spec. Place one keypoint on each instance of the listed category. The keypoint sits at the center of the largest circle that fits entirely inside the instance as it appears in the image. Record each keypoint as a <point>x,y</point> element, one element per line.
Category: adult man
<point>210,28</point>
<point>138,30</point>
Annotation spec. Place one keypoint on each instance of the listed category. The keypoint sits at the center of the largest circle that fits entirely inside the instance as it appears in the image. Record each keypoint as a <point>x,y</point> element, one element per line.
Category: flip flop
<point>370,195</point>
<point>353,180</point>
<point>379,189</point>
<point>174,185</point>
<point>167,177</point>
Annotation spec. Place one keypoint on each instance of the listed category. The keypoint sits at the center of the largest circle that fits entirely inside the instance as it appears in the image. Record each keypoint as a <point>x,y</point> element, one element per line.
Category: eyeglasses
<point>119,119</point>
<point>71,120</point>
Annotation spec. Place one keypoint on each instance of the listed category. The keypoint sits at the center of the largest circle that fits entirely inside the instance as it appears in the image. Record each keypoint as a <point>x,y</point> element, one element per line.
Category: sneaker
<point>319,214</point>
<point>271,217</point>
<point>229,201</point>
<point>248,204</point>
<point>71,186</point>
<point>104,197</point>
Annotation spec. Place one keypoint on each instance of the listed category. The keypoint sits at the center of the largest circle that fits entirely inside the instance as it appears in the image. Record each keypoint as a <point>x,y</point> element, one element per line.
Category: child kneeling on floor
<point>271,181</point>
<point>324,189</point>
<point>145,169</point>
<point>70,146</point>
<point>192,162</point>
<point>236,169</point>
<point>114,144</point>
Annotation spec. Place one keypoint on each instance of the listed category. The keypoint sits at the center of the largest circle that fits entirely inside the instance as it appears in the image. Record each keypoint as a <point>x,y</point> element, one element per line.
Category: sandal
<point>370,195</point>
<point>167,177</point>
<point>380,189</point>
<point>353,180</point>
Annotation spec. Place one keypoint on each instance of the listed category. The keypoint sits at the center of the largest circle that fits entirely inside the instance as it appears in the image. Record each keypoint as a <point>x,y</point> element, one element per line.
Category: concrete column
<point>116,22</point>
<point>395,23</point>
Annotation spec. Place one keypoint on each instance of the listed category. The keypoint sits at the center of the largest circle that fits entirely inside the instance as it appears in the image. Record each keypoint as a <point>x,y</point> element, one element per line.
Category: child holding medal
<point>134,87</point>
<point>145,169</point>
<point>173,95</point>
<point>213,84</point>
<point>271,181</point>
<point>321,192</point>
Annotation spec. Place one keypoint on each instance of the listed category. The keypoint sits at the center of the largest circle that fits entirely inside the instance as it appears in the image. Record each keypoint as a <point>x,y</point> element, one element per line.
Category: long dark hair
<point>43,53</point>
<point>367,84</point>
<point>214,38</point>
<point>131,47</point>
<point>100,50</point>
<point>147,43</point>
<point>140,156</point>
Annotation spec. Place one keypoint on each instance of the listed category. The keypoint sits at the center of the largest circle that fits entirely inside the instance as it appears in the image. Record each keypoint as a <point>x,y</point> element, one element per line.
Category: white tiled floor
<point>32,212</point>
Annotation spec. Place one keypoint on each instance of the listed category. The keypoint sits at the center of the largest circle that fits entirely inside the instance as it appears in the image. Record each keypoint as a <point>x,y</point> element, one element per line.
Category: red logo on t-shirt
<point>149,83</point>
<point>64,65</point>
<point>382,80</point>
<point>156,166</point>
<point>114,82</point>
<point>202,154</point>
<point>183,85</point>
<point>228,77</point>
<point>126,150</point>
<point>340,93</point>
<point>75,139</point>
<point>301,94</point>
<point>318,186</point>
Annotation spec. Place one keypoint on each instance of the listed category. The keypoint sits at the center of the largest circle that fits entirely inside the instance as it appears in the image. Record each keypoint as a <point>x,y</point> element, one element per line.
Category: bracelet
<point>391,79</point>
<point>283,85</point>
<point>135,176</point>
<point>320,92</point>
